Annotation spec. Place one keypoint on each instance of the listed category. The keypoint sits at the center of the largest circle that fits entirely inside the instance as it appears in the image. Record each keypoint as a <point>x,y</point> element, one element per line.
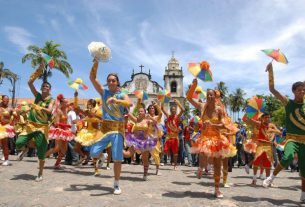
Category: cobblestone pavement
<point>76,186</point>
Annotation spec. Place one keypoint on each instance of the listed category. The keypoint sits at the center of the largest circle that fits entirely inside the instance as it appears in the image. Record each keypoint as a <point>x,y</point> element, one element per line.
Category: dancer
<point>263,157</point>
<point>141,137</point>
<point>61,131</point>
<point>155,113</point>
<point>6,129</point>
<point>295,126</point>
<point>113,128</point>
<point>211,143</point>
<point>172,129</point>
<point>38,120</point>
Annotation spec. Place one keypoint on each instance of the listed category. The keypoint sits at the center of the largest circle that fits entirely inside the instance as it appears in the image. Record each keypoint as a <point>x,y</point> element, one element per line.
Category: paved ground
<point>76,186</point>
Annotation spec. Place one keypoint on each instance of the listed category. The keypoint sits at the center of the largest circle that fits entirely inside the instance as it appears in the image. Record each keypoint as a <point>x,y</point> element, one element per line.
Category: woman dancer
<point>155,113</point>
<point>211,143</point>
<point>61,131</point>
<point>141,138</point>
<point>6,129</point>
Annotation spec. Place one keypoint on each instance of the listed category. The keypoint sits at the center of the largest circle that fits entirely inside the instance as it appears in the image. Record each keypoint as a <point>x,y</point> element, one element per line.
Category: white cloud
<point>18,36</point>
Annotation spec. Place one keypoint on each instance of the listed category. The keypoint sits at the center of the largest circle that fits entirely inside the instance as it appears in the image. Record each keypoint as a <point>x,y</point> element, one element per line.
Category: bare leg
<point>217,172</point>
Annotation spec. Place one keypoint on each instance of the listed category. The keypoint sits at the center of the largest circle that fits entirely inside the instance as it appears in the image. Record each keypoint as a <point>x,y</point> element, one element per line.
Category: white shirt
<point>72,117</point>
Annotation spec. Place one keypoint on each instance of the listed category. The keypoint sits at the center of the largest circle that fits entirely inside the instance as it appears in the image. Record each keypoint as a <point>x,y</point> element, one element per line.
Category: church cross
<point>141,66</point>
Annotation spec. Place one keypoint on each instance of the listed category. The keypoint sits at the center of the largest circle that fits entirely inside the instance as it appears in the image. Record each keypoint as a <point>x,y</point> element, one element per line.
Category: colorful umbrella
<point>195,119</point>
<point>125,91</point>
<point>199,93</point>
<point>78,84</point>
<point>24,106</point>
<point>276,55</point>
<point>201,70</point>
<point>255,108</point>
<point>141,94</point>
<point>49,60</point>
<point>164,96</point>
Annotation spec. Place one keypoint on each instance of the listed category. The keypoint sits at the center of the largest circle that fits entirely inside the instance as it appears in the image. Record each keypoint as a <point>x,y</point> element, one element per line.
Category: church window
<point>174,87</point>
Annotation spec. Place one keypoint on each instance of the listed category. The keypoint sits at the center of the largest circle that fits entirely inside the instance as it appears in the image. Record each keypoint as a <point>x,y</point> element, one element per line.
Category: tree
<point>237,102</point>
<point>12,77</point>
<point>278,117</point>
<point>51,49</point>
<point>221,86</point>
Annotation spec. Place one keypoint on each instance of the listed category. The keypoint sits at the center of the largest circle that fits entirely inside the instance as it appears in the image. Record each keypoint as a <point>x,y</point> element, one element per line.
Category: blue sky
<point>228,34</point>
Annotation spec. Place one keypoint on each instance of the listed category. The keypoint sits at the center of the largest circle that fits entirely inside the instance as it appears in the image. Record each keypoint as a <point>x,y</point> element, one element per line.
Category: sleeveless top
<point>39,116</point>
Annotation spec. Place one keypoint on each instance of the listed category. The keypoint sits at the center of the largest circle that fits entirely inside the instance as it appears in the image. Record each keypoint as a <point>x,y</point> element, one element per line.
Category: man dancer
<point>295,126</point>
<point>38,120</point>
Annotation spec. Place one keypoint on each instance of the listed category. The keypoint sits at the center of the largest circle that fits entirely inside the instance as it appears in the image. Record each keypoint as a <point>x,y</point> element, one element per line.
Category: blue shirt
<point>112,112</point>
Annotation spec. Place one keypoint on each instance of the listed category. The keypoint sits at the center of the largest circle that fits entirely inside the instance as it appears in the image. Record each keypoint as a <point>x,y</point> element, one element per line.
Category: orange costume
<point>211,142</point>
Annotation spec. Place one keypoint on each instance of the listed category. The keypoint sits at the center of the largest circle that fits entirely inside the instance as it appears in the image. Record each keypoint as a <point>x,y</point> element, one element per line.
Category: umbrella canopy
<point>141,94</point>
<point>49,60</point>
<point>78,84</point>
<point>199,93</point>
<point>276,55</point>
<point>255,108</point>
<point>164,96</point>
<point>201,71</point>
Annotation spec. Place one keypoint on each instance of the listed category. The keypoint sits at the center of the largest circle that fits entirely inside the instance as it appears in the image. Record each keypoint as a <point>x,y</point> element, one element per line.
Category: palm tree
<point>51,49</point>
<point>221,86</point>
<point>240,100</point>
<point>12,77</point>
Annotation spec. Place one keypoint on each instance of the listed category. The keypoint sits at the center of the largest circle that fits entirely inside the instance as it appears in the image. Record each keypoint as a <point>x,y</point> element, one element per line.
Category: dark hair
<point>296,85</point>
<point>3,96</point>
<point>266,114</point>
<point>46,82</point>
<point>92,102</point>
<point>116,76</point>
<point>156,111</point>
<point>210,89</point>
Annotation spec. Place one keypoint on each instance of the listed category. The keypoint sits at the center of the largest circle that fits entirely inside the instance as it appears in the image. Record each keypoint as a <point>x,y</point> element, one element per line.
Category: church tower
<point>173,79</point>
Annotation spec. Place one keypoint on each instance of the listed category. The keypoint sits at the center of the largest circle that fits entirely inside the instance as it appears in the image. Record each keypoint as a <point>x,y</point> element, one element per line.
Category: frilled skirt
<point>141,141</point>
<point>213,146</point>
<point>61,132</point>
<point>7,131</point>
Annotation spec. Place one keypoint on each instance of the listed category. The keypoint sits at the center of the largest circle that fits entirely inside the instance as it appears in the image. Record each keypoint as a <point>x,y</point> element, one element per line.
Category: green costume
<point>295,126</point>
<point>37,127</point>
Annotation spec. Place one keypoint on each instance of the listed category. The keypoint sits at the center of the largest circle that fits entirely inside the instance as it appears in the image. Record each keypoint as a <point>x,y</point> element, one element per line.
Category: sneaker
<point>302,199</point>
<point>97,172</point>
<point>81,160</point>
<point>189,165</point>
<point>262,177</point>
<point>117,190</point>
<point>108,168</point>
<point>39,178</point>
<point>145,177</point>
<point>21,154</point>
<point>267,182</point>
<point>247,169</point>
<point>57,167</point>
<point>2,158</point>
<point>218,194</point>
<point>162,164</point>
<point>226,185</point>
<point>6,163</point>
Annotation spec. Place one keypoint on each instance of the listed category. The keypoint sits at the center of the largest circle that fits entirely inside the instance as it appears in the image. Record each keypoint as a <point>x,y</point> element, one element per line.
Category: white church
<point>173,82</point>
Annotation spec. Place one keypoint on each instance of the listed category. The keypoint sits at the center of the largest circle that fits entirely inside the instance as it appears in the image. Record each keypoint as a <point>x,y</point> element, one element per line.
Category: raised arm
<point>251,121</point>
<point>97,85</point>
<point>163,110</point>
<point>132,117</point>
<point>189,95</point>
<point>180,107</point>
<point>75,99</point>
<point>157,107</point>
<point>277,94</point>
<point>33,77</point>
